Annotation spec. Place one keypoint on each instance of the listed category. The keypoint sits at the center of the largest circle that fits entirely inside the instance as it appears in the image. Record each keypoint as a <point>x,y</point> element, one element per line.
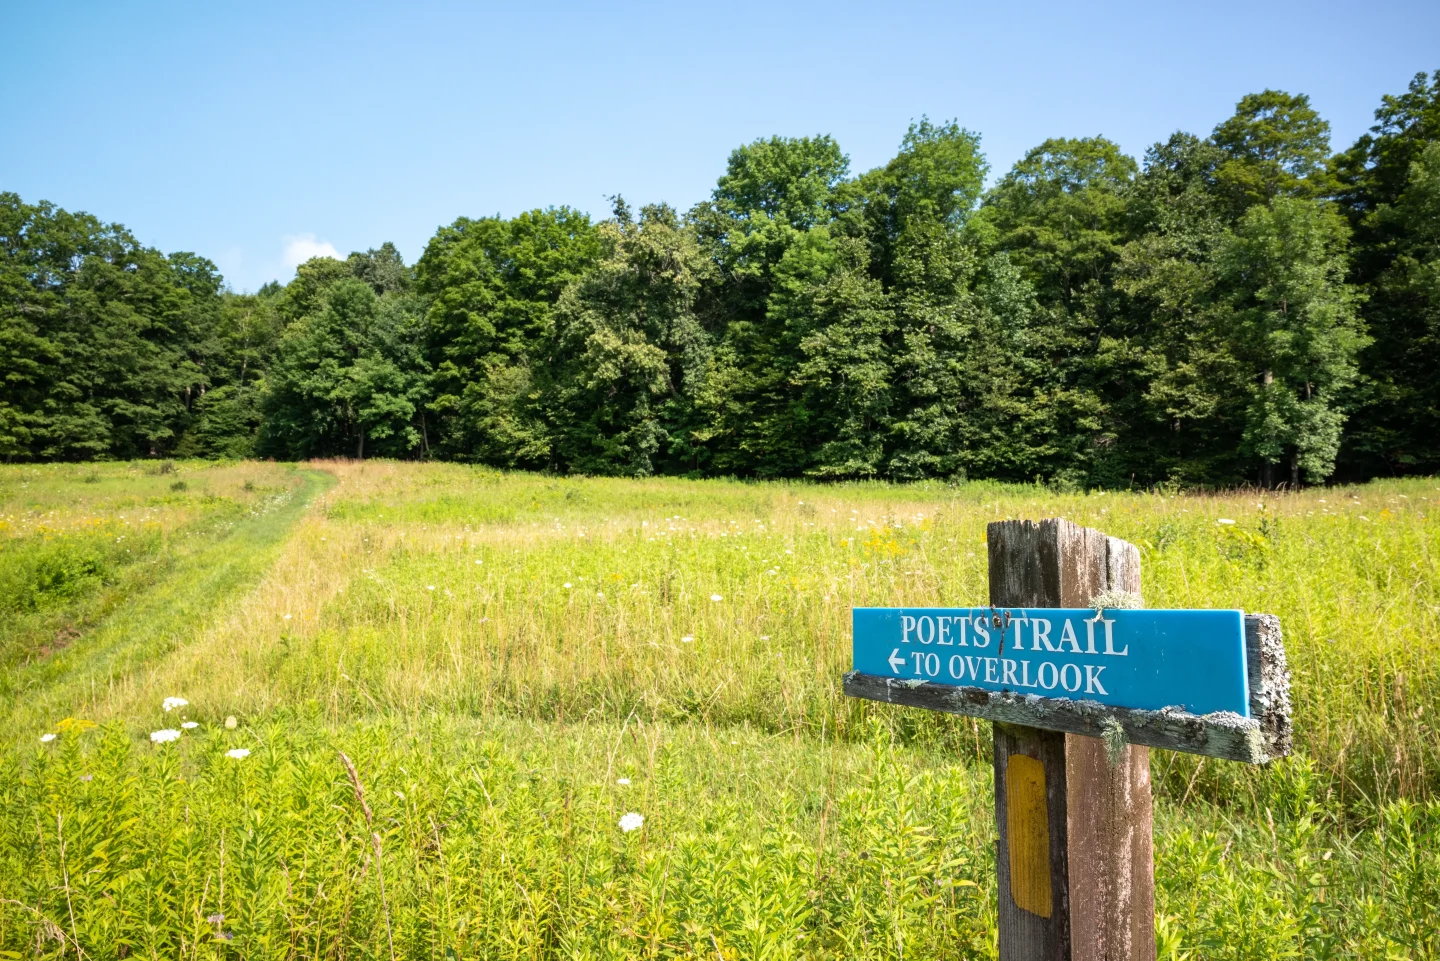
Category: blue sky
<point>255,133</point>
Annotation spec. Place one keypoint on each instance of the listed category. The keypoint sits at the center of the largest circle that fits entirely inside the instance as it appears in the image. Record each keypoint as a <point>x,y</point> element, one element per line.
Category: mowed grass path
<point>202,545</point>
<point>495,652</point>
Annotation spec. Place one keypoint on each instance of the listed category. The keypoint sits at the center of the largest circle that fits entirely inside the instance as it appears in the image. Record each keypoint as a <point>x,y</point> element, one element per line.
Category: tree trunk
<point>1294,469</point>
<point>1267,471</point>
<point>360,448</point>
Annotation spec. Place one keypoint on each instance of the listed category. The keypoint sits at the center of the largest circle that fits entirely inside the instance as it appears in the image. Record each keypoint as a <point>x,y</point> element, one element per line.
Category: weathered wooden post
<point>1072,765</point>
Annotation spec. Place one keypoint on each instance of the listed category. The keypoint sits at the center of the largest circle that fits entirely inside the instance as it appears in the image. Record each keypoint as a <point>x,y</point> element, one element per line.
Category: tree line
<point>1240,307</point>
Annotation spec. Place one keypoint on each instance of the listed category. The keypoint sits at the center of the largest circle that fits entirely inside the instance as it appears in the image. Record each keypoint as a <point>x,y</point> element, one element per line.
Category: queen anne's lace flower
<point>164,734</point>
<point>632,822</point>
<point>238,753</point>
<point>190,725</point>
<point>171,703</point>
<point>46,738</point>
<point>622,781</point>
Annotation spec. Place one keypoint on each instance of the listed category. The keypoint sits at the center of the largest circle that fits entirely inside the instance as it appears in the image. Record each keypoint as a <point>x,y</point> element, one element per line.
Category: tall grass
<point>156,584</point>
<point>502,839</point>
<point>494,650</point>
<point>443,588</point>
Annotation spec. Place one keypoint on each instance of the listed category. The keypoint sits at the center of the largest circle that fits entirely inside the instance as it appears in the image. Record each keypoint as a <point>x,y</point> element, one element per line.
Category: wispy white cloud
<point>301,247</point>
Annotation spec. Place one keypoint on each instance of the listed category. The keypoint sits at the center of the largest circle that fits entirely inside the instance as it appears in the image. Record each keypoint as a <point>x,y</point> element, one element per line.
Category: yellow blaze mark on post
<point>1027,826</point>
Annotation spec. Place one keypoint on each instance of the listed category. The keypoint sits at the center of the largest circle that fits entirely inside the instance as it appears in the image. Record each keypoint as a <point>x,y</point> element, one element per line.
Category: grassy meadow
<point>512,663</point>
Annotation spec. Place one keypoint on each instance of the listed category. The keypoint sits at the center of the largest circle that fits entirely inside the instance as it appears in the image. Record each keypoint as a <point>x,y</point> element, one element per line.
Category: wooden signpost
<point>1080,684</point>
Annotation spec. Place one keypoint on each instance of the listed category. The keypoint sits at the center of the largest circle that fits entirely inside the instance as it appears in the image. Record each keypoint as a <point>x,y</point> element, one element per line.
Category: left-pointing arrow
<point>896,661</point>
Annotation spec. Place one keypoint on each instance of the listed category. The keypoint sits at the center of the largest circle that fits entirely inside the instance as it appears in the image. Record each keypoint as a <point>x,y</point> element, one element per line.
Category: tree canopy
<point>1239,307</point>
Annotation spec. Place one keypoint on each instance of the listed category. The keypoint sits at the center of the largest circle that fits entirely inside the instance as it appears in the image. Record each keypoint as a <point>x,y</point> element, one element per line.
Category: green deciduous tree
<point>492,285</point>
<point>103,342</point>
<point>1176,389</point>
<point>1294,324</point>
<point>916,210</point>
<point>350,378</point>
<point>1388,179</point>
<point>764,227</point>
<point>630,349</point>
<point>1275,145</point>
<point>1061,216</point>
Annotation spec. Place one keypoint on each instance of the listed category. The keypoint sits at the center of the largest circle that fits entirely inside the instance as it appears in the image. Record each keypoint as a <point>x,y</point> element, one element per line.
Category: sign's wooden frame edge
<point>1258,739</point>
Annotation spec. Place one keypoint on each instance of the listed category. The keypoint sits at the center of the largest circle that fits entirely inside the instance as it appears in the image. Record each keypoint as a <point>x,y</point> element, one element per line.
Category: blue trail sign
<point>1189,660</point>
<point>1078,696</point>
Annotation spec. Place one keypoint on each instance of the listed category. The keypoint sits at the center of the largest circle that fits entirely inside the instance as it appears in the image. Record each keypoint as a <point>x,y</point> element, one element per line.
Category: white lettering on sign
<point>981,631</point>
<point>1042,634</point>
<point>1110,636</point>
<point>1151,659</point>
<point>1067,636</point>
<point>941,629</point>
<point>1020,673</point>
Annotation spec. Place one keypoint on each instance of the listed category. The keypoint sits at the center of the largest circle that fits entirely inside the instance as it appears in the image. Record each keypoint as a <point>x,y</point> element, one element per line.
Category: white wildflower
<point>632,822</point>
<point>687,638</point>
<point>238,753</point>
<point>190,725</point>
<point>716,597</point>
<point>1224,520</point>
<point>567,584</point>
<point>429,587</point>
<point>46,738</point>
<point>624,781</point>
<point>171,703</point>
<point>164,734</point>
